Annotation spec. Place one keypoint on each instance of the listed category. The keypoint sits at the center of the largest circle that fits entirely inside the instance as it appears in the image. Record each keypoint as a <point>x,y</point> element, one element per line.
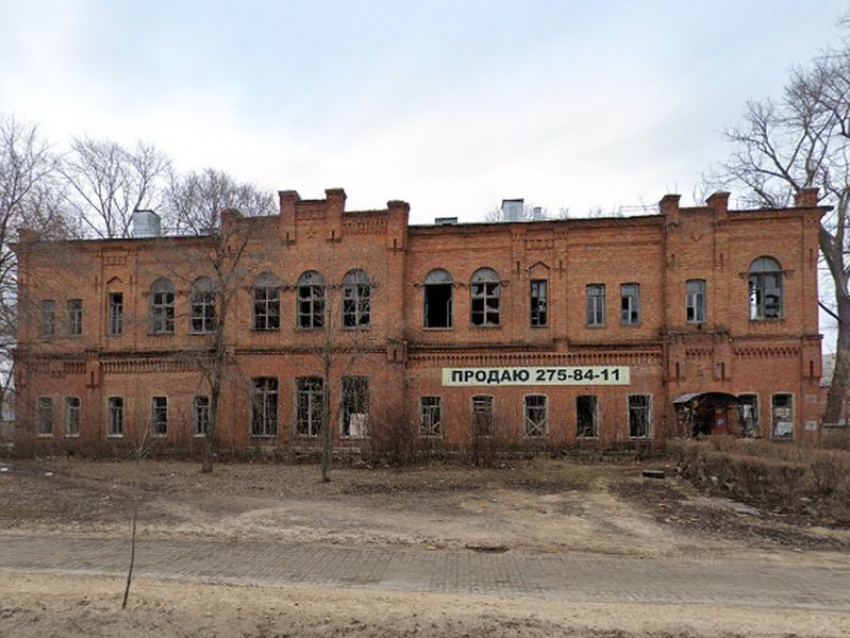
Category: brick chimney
<point>669,205</point>
<point>806,198</point>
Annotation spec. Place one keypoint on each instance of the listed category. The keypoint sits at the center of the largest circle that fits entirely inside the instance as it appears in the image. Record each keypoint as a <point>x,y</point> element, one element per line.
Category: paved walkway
<point>578,577</point>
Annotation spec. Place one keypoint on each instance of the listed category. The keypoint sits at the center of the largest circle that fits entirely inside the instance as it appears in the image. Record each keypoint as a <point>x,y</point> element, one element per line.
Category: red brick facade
<point>731,341</point>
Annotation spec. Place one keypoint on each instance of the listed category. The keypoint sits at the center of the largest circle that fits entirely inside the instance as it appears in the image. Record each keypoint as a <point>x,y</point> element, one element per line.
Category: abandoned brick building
<point>693,320</point>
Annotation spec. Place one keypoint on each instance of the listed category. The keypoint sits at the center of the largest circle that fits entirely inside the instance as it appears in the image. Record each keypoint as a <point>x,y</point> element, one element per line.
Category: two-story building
<point>693,320</point>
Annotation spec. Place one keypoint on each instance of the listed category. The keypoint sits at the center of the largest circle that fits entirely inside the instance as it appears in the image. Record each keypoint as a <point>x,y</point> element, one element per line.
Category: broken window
<point>595,294</point>
<point>116,314</point>
<point>310,402</point>
<point>783,416</point>
<point>311,300</point>
<point>536,415</point>
<point>115,416</point>
<point>630,304</point>
<point>438,299</point>
<point>695,301</point>
<point>75,317</point>
<point>264,407</point>
<point>72,416</point>
<point>539,302</point>
<point>200,415</point>
<point>355,407</point>
<point>266,302</point>
<point>202,301</point>
<point>159,416</point>
<point>485,293</point>
<point>482,415</point>
<point>587,416</point>
<point>748,412</point>
<point>640,416</point>
<point>430,416</point>
<point>162,307</point>
<point>44,406</point>
<point>356,292</point>
<point>48,318</point>
<point>765,289</point>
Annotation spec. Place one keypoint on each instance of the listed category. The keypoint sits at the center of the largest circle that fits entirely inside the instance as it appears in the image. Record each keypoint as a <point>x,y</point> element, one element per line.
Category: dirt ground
<point>543,505</point>
<point>38,606</point>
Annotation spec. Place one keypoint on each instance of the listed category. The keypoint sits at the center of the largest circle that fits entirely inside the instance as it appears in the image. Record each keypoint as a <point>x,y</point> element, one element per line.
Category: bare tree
<point>106,182</point>
<point>797,142</point>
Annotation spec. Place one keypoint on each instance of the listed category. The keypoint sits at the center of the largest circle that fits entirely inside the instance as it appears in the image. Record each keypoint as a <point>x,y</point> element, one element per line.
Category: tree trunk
<point>841,373</point>
<point>327,438</point>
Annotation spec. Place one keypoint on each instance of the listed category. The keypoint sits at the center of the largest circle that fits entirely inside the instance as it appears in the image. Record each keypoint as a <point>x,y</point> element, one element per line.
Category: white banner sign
<point>560,375</point>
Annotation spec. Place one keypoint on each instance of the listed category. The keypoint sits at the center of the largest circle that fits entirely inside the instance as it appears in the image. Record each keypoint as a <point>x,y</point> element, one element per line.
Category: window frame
<point>200,426</point>
<point>47,308</point>
<point>634,310</point>
<point>44,423</point>
<point>757,412</point>
<point>594,295</point>
<point>484,288</point>
<point>115,314</point>
<point>202,307</point>
<point>115,407</point>
<point>757,276</point>
<point>793,434</point>
<point>429,428</point>
<point>696,300</point>
<point>161,308</point>
<point>159,417</point>
<point>75,317</point>
<point>526,419</point>
<point>309,406</point>
<point>265,296</point>
<point>648,408</point>
<point>356,299</point>
<point>442,278</point>
<point>489,416</point>
<point>72,432</point>
<point>269,419</point>
<point>536,286</point>
<point>310,303</point>
<point>348,406</point>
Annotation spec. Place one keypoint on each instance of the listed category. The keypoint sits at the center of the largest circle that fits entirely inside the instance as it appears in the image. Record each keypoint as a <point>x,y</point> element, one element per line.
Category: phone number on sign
<point>584,375</point>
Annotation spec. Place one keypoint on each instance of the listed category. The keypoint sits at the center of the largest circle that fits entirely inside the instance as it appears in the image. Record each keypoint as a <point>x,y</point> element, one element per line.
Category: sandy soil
<point>38,606</point>
<point>540,506</point>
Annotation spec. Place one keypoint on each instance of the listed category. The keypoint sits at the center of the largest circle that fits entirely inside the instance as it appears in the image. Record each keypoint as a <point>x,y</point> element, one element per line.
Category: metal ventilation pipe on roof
<point>145,223</point>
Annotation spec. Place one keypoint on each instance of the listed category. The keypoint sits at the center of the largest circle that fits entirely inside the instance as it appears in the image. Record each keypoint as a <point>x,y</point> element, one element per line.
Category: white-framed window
<point>48,318</point>
<point>640,416</point>
<point>200,415</point>
<point>748,413</point>
<point>695,301</point>
<point>782,416</point>
<point>72,417</point>
<point>202,302</point>
<point>159,416</point>
<point>587,416</point>
<point>115,322</point>
<point>482,415</point>
<point>356,299</point>
<point>310,405</point>
<point>44,416</point>
<point>431,417</point>
<point>539,297</point>
<point>75,317</point>
<point>765,287</point>
<point>115,416</point>
<point>595,304</point>
<point>311,300</point>
<point>630,304</point>
<point>355,407</point>
<point>264,406</point>
<point>536,410</point>
<point>162,307</point>
<point>485,298</point>
<point>266,294</point>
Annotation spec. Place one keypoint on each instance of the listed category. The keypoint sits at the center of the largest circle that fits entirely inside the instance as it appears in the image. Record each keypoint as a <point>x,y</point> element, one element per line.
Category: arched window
<point>267,302</point>
<point>765,289</point>
<point>485,293</point>
<point>438,299</point>
<point>162,307</point>
<point>203,306</point>
<point>356,291</point>
<point>311,300</point>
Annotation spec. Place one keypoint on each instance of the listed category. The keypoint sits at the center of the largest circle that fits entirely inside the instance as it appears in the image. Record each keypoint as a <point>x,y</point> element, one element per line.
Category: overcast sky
<point>451,106</point>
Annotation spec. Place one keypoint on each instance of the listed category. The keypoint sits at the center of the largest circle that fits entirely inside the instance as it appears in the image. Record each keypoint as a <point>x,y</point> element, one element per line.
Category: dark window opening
<point>311,300</point>
<point>75,317</point>
<point>640,416</point>
<point>159,416</point>
<point>264,407</point>
<point>438,299</point>
<point>116,314</point>
<point>485,294</point>
<point>539,302</point>
<point>310,403</point>
<point>482,415</point>
<point>587,408</point>
<point>355,407</point>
